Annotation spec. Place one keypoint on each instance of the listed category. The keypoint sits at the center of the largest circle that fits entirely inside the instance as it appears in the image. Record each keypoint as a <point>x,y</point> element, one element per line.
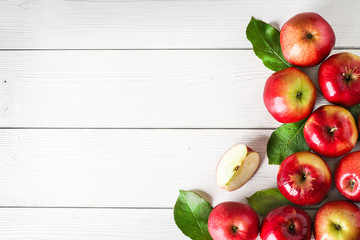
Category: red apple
<point>337,220</point>
<point>339,79</point>
<point>304,178</point>
<point>233,221</point>
<point>286,223</point>
<point>289,95</point>
<point>347,176</point>
<point>331,131</point>
<point>306,39</point>
<point>236,167</point>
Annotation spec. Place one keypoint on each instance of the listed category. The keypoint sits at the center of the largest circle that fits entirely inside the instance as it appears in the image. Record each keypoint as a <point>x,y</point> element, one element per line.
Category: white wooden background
<point>108,107</point>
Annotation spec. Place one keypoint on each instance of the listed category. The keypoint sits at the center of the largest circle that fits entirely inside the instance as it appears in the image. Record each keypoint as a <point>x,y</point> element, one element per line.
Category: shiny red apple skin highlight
<point>304,178</point>
<point>331,131</point>
<point>306,39</point>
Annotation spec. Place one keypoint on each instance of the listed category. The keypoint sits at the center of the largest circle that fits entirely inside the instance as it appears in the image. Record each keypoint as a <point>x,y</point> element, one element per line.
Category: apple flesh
<point>331,131</point>
<point>289,95</point>
<point>339,79</point>
<point>233,221</point>
<point>304,178</point>
<point>337,220</point>
<point>306,39</point>
<point>347,176</point>
<point>236,167</point>
<point>286,223</point>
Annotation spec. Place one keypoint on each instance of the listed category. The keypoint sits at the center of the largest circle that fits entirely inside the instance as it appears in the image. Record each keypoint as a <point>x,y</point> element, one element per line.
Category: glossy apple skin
<point>233,221</point>
<point>289,95</point>
<point>339,79</point>
<point>331,131</point>
<point>306,39</point>
<point>342,213</point>
<point>304,178</point>
<point>347,176</point>
<point>286,223</point>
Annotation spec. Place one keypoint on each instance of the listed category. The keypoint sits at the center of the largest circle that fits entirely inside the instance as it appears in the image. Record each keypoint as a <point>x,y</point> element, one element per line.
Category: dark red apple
<point>286,223</point>
<point>347,176</point>
<point>339,79</point>
<point>304,178</point>
<point>289,95</point>
<point>233,221</point>
<point>331,131</point>
<point>337,220</point>
<point>306,39</point>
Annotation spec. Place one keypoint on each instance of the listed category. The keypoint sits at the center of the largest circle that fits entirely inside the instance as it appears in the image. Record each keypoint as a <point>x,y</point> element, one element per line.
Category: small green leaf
<point>355,111</point>
<point>286,140</point>
<point>191,214</point>
<point>265,40</point>
<point>265,201</point>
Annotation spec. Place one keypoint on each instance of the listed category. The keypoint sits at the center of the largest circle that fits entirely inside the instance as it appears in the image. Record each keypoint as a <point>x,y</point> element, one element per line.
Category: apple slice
<point>236,167</point>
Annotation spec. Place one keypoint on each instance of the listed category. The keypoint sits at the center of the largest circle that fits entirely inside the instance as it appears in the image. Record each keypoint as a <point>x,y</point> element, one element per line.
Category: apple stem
<point>352,184</point>
<point>291,228</point>
<point>333,129</point>
<point>305,175</point>
<point>348,77</point>
<point>299,95</point>
<point>337,226</point>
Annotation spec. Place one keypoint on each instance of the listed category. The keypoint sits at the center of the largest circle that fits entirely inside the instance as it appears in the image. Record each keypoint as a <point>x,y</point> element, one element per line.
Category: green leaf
<point>191,214</point>
<point>355,111</point>
<point>286,140</point>
<point>265,40</point>
<point>265,201</point>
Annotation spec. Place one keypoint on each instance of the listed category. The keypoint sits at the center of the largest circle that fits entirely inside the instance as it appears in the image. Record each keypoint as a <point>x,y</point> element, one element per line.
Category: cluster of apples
<point>304,178</point>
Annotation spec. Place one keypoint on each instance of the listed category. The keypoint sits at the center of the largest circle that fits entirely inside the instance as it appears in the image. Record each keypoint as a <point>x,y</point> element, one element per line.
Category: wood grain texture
<point>122,168</point>
<point>135,89</point>
<point>89,224</point>
<point>44,24</point>
<point>133,64</point>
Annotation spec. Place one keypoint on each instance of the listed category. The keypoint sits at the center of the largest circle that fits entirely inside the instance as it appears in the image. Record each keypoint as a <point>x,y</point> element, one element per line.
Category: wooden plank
<point>33,24</point>
<point>89,224</point>
<point>122,168</point>
<point>135,89</point>
<point>126,168</point>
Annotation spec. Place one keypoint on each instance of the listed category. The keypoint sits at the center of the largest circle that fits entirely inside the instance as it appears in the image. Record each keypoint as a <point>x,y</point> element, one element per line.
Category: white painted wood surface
<point>115,168</point>
<point>107,108</point>
<point>132,89</point>
<point>123,24</point>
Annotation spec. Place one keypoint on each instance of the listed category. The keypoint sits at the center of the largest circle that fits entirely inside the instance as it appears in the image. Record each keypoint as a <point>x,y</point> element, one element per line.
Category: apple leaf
<point>191,214</point>
<point>286,140</point>
<point>355,111</point>
<point>265,201</point>
<point>265,40</point>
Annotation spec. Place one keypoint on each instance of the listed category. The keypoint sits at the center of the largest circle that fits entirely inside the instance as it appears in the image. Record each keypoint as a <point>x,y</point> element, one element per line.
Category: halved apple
<point>236,167</point>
